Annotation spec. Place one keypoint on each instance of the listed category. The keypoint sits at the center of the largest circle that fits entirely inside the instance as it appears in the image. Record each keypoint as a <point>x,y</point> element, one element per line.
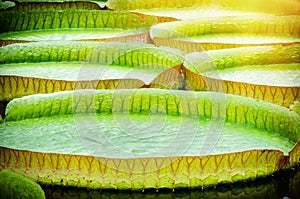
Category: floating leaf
<point>43,67</point>
<point>190,13</point>
<point>95,172</point>
<point>14,185</point>
<point>5,5</point>
<point>273,75</point>
<point>251,5</point>
<point>75,34</point>
<point>191,9</point>
<point>55,5</point>
<point>264,117</point>
<point>55,1</point>
<point>117,53</point>
<point>230,58</point>
<point>112,125</point>
<point>227,32</point>
<point>18,86</point>
<point>72,25</point>
<point>199,67</point>
<point>296,107</point>
<point>139,4</point>
<point>31,20</point>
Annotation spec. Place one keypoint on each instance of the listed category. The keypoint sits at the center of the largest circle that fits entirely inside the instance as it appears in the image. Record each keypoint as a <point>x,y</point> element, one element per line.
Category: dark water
<point>284,184</point>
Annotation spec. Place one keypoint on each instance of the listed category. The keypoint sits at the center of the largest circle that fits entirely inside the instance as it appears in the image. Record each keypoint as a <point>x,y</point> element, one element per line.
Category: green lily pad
<point>74,71</point>
<point>43,67</point>
<point>245,56</point>
<point>296,107</point>
<point>29,1</point>
<point>119,101</point>
<point>51,19</point>
<point>189,13</point>
<point>115,53</point>
<point>235,38</point>
<point>14,185</point>
<point>114,127</point>
<point>70,34</point>
<point>267,73</point>
<point>273,75</point>
<point>56,5</point>
<point>98,25</point>
<point>227,32</point>
<point>7,4</point>
<point>135,135</point>
<point>191,9</point>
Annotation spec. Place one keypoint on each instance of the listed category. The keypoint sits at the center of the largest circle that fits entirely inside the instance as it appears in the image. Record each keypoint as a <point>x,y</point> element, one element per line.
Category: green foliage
<point>51,5</point>
<point>296,107</point>
<point>141,4</point>
<point>51,19</point>
<point>268,6</point>
<point>6,4</point>
<point>94,52</point>
<point>228,24</point>
<point>211,105</point>
<point>153,172</point>
<point>236,57</point>
<point>13,185</point>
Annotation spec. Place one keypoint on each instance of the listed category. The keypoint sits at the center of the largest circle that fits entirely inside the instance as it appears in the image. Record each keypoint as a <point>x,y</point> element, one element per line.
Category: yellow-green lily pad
<point>14,185</point>
<point>227,32</point>
<point>192,9</point>
<point>45,67</point>
<point>56,5</point>
<point>194,140</point>
<point>267,73</point>
<point>273,75</point>
<point>50,25</point>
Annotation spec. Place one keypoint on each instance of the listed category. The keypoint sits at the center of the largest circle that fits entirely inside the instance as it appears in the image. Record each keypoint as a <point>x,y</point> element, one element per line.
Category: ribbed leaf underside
<point>48,5</point>
<point>158,172</point>
<point>143,56</point>
<point>197,64</point>
<point>15,86</point>
<point>141,173</point>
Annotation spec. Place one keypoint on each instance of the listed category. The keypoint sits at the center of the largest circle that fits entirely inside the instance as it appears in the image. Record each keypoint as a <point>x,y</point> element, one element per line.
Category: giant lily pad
<point>73,25</point>
<point>191,9</point>
<point>269,73</point>
<point>194,140</point>
<point>227,32</point>
<point>44,67</point>
<point>17,186</point>
<point>55,5</point>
